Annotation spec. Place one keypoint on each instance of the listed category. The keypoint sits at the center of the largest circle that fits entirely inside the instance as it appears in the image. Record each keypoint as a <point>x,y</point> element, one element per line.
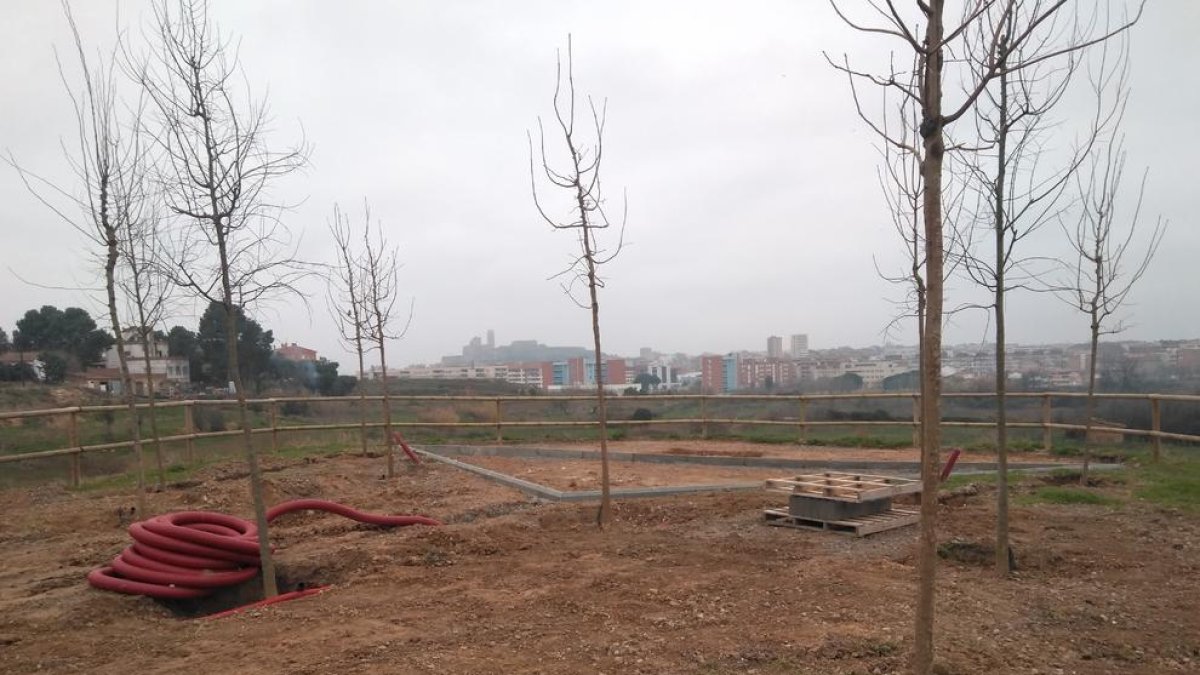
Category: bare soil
<point>693,584</point>
<point>577,474</point>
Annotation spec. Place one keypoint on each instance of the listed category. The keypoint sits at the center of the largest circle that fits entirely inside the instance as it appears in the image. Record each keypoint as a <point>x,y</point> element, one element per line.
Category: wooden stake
<point>803,421</point>
<point>189,428</point>
<point>1156,425</point>
<point>274,426</point>
<point>76,469</point>
<point>499,436</point>
<point>916,421</point>
<point>1047,432</point>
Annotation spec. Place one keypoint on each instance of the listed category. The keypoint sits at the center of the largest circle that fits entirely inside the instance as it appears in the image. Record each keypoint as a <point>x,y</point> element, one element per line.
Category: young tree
<point>581,179</point>
<point>146,291</point>
<point>346,306</point>
<point>106,163</point>
<point>230,245</point>
<point>379,290</point>
<point>940,35</point>
<point>1018,193</point>
<point>1107,263</point>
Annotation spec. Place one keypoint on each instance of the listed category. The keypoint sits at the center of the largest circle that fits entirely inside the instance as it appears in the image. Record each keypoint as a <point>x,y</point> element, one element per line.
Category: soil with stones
<point>678,585</point>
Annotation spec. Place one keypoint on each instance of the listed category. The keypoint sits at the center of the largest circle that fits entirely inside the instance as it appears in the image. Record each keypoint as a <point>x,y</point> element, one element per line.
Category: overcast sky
<point>753,204</point>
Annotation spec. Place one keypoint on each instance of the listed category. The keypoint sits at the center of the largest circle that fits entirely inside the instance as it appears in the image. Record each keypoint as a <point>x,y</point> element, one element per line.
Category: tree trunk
<point>135,426</point>
<point>1090,408</point>
<point>931,350</point>
<point>158,453</point>
<point>1002,554</point>
<point>605,513</point>
<point>256,492</point>
<point>362,391</point>
<point>387,403</point>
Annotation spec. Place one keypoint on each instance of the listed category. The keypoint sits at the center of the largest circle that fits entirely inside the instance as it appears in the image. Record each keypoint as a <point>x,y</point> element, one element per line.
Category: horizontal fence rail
<point>75,448</point>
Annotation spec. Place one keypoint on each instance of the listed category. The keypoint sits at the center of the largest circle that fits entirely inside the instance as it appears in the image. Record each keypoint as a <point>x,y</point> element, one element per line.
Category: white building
<point>166,372</point>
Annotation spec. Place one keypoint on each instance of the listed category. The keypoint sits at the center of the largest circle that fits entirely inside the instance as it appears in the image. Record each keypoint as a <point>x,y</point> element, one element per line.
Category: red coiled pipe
<point>190,554</point>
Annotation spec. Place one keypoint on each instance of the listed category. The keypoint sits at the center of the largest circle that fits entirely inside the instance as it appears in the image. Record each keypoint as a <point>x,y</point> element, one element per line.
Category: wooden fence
<point>74,449</point>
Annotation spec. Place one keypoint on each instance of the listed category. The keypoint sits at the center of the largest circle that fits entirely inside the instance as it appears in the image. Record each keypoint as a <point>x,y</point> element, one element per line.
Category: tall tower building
<point>775,347</point>
<point>491,339</point>
<point>799,345</point>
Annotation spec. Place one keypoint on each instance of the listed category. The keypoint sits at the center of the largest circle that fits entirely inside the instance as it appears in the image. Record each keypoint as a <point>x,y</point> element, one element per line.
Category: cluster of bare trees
<point>1006,65</point>
<point>362,301</point>
<point>174,178</point>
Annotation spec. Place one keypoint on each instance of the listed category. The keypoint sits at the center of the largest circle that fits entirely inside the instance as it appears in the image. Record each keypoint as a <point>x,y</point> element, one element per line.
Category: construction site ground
<point>686,584</point>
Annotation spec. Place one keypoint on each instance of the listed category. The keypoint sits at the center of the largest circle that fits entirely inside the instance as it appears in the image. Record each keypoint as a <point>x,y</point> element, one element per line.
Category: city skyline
<point>753,210</point>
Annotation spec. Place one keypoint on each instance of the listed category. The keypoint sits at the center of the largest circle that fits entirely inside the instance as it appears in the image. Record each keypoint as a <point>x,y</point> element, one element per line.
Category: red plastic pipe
<point>397,439</point>
<point>282,597</point>
<point>190,554</point>
<point>950,463</point>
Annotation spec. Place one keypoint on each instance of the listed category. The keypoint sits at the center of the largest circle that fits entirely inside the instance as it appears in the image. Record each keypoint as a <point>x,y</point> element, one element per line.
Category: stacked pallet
<point>850,503</point>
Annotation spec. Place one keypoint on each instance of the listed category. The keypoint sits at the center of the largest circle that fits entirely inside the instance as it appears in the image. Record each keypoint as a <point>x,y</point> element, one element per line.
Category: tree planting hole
<point>233,597</point>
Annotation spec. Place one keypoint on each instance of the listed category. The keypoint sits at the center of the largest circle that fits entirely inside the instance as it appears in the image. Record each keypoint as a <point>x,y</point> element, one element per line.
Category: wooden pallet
<point>854,487</point>
<point>859,527</point>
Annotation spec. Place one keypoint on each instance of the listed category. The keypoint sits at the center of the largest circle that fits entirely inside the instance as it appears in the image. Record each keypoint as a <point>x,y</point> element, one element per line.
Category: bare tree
<point>1019,192</point>
<point>147,292</point>
<point>581,179</point>
<point>940,36</point>
<point>229,246</point>
<point>1016,199</point>
<point>108,163</point>
<point>346,304</point>
<point>1107,262</point>
<point>379,291</point>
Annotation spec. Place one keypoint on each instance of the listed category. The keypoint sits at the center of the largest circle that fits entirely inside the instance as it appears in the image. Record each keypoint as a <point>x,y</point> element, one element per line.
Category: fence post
<point>189,428</point>
<point>1156,426</point>
<point>704,417</point>
<point>916,421</point>
<point>76,469</point>
<point>274,426</point>
<point>499,436</point>
<point>1047,432</point>
<point>803,421</point>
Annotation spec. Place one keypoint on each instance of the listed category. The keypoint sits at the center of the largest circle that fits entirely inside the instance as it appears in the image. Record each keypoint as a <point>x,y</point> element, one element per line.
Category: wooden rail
<point>802,422</point>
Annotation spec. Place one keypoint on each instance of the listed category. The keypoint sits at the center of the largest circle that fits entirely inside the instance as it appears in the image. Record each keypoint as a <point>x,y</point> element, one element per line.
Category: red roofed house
<point>294,352</point>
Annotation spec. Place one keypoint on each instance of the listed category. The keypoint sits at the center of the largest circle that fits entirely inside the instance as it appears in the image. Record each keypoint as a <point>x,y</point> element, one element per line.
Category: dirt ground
<point>577,474</point>
<point>693,584</point>
<point>795,451</point>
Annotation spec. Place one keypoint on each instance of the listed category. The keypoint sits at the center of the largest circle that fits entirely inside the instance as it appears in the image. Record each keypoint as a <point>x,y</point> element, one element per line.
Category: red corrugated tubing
<point>190,554</point>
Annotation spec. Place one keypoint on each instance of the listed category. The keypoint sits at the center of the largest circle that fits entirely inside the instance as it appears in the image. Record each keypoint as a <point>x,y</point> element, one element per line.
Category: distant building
<point>581,372</point>
<point>766,373</point>
<point>873,373</point>
<point>667,377</point>
<point>166,372</point>
<point>479,351</point>
<point>712,374</point>
<point>719,374</point>
<point>775,347</point>
<point>294,352</point>
<point>37,368</point>
<point>799,345</point>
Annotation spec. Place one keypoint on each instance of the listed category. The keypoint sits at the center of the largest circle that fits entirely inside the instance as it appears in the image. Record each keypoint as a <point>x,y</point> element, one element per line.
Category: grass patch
<point>1068,495</point>
<point>1174,483</point>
